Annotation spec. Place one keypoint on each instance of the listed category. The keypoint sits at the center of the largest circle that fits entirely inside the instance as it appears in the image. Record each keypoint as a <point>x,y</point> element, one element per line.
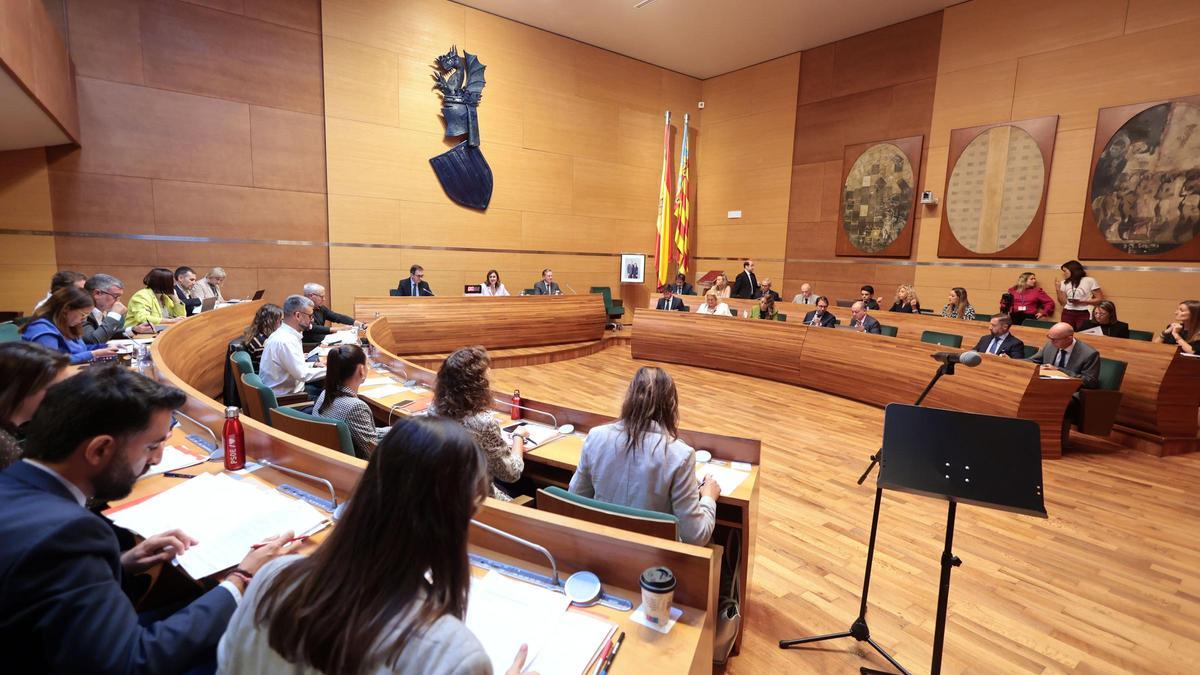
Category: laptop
<point>259,293</point>
<point>207,304</point>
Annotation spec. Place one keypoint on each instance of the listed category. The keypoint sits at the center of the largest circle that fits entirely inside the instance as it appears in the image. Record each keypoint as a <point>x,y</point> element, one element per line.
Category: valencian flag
<point>682,204</point>
<point>662,256</point>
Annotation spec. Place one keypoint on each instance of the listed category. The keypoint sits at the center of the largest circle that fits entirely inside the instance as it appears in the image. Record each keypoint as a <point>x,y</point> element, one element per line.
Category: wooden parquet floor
<point>1109,584</point>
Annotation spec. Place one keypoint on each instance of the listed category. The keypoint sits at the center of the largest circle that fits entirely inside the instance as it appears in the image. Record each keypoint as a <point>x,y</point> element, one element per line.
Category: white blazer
<point>499,291</point>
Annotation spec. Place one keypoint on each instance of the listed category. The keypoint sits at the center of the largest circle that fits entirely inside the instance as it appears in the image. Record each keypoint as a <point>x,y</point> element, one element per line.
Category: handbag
<point>729,599</point>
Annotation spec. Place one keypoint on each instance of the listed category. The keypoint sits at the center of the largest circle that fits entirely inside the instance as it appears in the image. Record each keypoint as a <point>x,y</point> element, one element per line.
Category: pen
<point>603,655</point>
<point>612,656</point>
<point>289,541</point>
<point>173,474</point>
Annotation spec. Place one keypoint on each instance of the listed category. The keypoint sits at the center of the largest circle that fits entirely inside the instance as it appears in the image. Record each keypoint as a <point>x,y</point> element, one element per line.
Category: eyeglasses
<point>114,296</point>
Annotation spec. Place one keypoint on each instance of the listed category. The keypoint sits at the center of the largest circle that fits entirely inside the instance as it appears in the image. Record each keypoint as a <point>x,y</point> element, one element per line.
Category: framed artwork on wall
<point>633,268</point>
<point>879,196</point>
<point>997,177</point>
<point>1143,196</point>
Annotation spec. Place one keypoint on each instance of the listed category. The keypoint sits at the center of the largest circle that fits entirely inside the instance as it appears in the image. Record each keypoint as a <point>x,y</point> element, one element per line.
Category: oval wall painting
<point>1146,186</point>
<point>877,198</point>
<point>995,189</point>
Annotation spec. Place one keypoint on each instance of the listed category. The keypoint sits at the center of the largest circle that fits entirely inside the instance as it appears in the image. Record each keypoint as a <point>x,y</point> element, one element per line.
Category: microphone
<point>569,287</point>
<point>969,359</point>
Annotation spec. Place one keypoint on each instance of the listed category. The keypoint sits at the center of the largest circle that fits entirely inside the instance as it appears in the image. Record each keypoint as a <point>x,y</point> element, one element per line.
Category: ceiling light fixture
<point>642,4</point>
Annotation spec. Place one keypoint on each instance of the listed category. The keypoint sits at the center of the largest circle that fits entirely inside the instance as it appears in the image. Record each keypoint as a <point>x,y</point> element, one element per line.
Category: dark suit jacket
<point>1117,329</point>
<point>61,604</point>
<point>319,330</point>
<point>98,332</point>
<point>870,303</point>
<point>827,319</point>
<point>674,303</point>
<point>745,286</point>
<point>1083,363</point>
<point>406,288</point>
<point>540,288</point>
<point>686,289</point>
<point>1011,345</point>
<point>870,325</point>
<point>192,305</point>
<point>773,294</point>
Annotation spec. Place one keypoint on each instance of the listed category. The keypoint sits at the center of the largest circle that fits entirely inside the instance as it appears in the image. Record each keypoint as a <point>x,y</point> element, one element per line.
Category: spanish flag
<point>662,256</point>
<point>682,204</point>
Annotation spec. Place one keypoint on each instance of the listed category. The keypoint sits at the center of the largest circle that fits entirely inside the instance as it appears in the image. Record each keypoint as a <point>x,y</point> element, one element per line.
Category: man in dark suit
<point>861,321</point>
<point>681,286</point>
<point>866,294</point>
<point>765,289</point>
<point>669,301</point>
<point>62,607</point>
<point>322,315</point>
<point>107,320</point>
<point>1063,352</point>
<point>821,315</point>
<point>415,284</point>
<point>546,285</point>
<point>999,341</point>
<point>746,284</point>
<point>185,278</point>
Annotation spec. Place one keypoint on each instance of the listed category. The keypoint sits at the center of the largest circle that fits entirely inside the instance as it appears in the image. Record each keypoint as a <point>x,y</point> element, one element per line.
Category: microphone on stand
<point>969,359</point>
<point>569,287</point>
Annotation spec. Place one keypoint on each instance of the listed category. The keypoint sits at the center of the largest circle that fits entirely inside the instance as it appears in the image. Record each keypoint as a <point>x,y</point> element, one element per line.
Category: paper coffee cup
<point>658,590</point>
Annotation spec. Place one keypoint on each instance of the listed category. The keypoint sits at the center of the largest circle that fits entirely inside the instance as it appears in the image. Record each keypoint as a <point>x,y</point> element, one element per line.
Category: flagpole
<point>663,221</point>
<point>682,210</point>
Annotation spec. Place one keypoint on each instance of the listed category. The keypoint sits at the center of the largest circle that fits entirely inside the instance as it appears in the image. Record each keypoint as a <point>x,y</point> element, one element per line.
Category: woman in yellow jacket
<point>155,304</point>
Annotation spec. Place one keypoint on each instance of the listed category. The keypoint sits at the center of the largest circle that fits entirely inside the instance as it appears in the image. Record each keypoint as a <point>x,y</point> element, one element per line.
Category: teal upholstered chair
<point>241,361</point>
<point>9,332</point>
<point>612,308</point>
<point>653,523</point>
<point>982,317</point>
<point>1143,335</point>
<point>1098,407</point>
<point>258,400</point>
<point>934,337</point>
<point>1030,350</point>
<point>890,331</point>
<point>1037,323</point>
<point>330,433</point>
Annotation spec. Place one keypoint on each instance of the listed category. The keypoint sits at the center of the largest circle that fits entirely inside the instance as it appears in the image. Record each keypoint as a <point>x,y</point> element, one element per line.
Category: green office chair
<point>889,331</point>
<point>1035,323</point>
<point>326,432</point>
<point>933,337</point>
<point>653,523</point>
<point>529,291</point>
<point>1098,407</point>
<point>9,332</point>
<point>258,400</point>
<point>1030,350</point>
<point>982,317</point>
<point>1143,335</point>
<point>611,308</point>
<point>394,292</point>
<point>241,360</point>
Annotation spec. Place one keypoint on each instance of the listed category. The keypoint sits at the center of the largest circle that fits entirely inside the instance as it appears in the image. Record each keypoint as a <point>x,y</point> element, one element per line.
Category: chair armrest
<point>290,400</point>
<point>523,500</point>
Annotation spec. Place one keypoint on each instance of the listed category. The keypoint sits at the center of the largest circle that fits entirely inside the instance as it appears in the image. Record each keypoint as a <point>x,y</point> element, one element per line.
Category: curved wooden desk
<point>868,368</point>
<point>443,324</point>
<point>190,356</point>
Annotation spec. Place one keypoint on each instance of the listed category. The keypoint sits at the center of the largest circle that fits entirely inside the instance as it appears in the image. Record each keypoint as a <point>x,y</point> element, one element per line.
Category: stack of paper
<point>539,434</point>
<point>729,479</point>
<point>342,337</point>
<point>226,515</point>
<point>176,457</point>
<point>504,614</point>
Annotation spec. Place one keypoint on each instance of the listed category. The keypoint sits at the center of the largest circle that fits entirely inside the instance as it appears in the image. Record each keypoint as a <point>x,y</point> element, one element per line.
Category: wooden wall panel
<point>28,260</point>
<point>33,53</point>
<point>92,202</point>
<point>305,16</point>
<point>106,39</point>
<point>199,210</point>
<point>361,82</point>
<point>288,149</point>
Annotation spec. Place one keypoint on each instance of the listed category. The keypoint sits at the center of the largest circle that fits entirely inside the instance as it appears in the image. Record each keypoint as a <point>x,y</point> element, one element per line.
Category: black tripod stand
<point>859,630</point>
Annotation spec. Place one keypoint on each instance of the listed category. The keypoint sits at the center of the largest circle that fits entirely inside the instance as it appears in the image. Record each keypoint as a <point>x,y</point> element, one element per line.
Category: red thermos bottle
<point>516,403</point>
<point>235,440</point>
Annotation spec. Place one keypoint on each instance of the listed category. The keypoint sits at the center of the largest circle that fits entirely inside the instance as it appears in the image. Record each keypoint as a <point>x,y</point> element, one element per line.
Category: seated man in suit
<point>546,285</point>
<point>999,341</point>
<point>765,289</point>
<point>821,316</point>
<point>1063,352</point>
<point>62,607</point>
<point>670,301</point>
<point>861,321</point>
<point>323,315</point>
<point>805,296</point>
<point>415,284</point>
<point>746,284</point>
<point>107,320</point>
<point>681,286</point>
<point>866,294</point>
<point>185,278</point>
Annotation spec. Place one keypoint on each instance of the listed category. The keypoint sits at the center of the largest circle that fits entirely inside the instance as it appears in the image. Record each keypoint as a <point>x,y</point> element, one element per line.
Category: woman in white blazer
<point>493,287</point>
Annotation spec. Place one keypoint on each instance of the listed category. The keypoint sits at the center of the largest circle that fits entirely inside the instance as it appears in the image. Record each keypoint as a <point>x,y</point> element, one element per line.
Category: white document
<point>387,390</point>
<point>226,515</point>
<point>175,458</point>
<point>1094,330</point>
<point>729,479</point>
<point>348,336</point>
<point>539,434</point>
<point>504,614</point>
<point>577,640</point>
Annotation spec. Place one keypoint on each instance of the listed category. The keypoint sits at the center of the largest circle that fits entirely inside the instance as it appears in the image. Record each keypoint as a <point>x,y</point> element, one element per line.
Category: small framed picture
<point>633,268</point>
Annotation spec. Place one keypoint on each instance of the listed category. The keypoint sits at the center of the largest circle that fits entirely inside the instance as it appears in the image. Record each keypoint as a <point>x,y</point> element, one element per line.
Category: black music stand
<point>994,462</point>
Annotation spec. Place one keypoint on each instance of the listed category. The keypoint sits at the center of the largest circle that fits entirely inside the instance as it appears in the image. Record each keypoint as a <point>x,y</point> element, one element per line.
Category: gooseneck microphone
<point>969,359</point>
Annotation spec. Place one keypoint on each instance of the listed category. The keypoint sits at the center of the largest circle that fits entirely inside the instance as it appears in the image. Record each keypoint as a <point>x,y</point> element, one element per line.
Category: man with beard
<point>62,607</point>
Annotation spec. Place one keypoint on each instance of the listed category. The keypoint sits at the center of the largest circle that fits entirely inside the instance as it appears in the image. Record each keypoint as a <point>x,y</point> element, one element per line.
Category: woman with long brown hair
<point>1026,299</point>
<point>958,306</point>
<point>266,320</point>
<point>58,325</point>
<point>1184,331</point>
<point>639,461</point>
<point>721,287</point>
<point>1078,293</point>
<point>346,370</point>
<point>26,371</point>
<point>462,393</point>
<point>387,590</point>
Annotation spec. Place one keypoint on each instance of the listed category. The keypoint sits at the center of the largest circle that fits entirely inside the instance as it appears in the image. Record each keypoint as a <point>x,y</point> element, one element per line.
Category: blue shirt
<point>46,334</point>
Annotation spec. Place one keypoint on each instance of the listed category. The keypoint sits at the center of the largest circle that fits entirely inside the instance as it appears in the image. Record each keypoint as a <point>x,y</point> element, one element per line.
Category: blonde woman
<point>712,305</point>
<point>721,287</point>
<point>906,300</point>
<point>1027,300</point>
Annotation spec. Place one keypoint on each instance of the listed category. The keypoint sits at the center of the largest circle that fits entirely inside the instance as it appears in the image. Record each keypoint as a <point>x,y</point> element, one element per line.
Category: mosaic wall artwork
<point>877,197</point>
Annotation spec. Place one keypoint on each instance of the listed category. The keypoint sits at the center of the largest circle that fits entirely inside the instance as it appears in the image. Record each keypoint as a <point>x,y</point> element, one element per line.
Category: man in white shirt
<point>283,367</point>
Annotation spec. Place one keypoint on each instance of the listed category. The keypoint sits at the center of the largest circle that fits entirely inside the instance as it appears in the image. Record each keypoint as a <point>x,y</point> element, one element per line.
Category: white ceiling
<point>25,124</point>
<point>704,38</point>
